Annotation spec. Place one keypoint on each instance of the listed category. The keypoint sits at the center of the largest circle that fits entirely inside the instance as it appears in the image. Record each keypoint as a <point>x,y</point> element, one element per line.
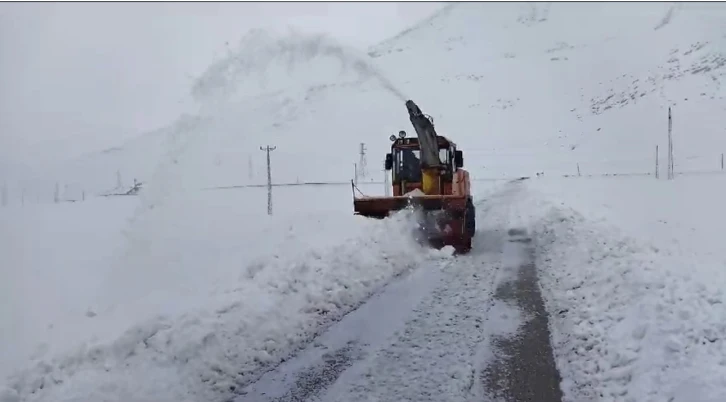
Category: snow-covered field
<point>185,295</point>
<point>54,259</point>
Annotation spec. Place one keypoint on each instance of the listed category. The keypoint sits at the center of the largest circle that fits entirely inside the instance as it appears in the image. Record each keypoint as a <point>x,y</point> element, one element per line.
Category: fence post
<point>267,149</point>
<point>721,161</point>
<point>578,169</point>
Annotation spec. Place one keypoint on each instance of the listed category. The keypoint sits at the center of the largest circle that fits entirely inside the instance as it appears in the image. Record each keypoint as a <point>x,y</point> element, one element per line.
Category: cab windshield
<point>407,163</point>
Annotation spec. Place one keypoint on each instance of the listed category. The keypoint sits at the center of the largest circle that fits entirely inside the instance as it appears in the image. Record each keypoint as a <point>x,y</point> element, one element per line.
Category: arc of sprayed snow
<point>258,50</point>
<point>166,176</point>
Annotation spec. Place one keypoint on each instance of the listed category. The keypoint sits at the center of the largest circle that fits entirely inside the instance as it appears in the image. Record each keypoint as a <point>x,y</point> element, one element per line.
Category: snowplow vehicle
<point>427,175</point>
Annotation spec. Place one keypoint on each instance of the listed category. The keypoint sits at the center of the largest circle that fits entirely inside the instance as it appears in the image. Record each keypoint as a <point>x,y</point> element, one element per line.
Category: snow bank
<point>201,337</point>
<point>629,322</point>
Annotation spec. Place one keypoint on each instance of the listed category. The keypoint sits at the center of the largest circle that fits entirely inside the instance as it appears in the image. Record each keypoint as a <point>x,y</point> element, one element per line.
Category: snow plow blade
<point>442,223</point>
<point>381,207</point>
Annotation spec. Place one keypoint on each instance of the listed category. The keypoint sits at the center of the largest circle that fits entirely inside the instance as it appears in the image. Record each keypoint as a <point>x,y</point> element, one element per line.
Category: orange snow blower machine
<point>427,176</point>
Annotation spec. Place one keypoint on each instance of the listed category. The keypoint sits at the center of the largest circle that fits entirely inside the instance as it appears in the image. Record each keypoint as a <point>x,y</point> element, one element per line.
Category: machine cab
<point>404,163</point>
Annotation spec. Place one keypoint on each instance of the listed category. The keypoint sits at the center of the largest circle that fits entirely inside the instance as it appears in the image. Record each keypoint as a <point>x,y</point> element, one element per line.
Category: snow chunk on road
<point>242,327</point>
<point>628,324</point>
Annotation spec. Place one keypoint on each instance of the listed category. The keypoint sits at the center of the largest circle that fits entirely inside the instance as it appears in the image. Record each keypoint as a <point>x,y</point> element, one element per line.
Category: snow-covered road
<point>440,332</point>
<point>372,317</point>
<point>359,311</point>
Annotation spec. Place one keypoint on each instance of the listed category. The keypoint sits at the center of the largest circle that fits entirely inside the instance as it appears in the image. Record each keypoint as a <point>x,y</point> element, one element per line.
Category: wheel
<point>470,218</point>
<point>464,246</point>
<point>467,244</point>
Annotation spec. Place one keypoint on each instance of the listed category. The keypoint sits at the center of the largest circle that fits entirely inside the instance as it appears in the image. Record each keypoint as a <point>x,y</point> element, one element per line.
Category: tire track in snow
<point>351,339</point>
<point>444,344</point>
<point>309,383</point>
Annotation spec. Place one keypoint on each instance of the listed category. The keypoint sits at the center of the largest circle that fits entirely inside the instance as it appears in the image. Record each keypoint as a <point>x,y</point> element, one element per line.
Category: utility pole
<point>362,162</point>
<point>269,149</point>
<point>671,173</point>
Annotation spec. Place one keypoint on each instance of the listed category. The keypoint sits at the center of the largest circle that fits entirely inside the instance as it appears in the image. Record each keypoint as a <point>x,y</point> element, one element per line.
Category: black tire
<point>470,218</point>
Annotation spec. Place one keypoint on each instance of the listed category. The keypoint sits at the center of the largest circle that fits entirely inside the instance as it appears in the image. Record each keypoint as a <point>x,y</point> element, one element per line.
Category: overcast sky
<point>77,77</point>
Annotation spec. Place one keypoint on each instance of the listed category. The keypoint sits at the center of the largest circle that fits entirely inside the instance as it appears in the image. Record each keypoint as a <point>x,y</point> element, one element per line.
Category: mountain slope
<point>549,85</point>
<point>313,98</point>
<point>521,87</point>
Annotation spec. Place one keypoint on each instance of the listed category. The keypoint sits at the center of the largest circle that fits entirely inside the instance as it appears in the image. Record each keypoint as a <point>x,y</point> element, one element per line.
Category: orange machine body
<point>451,203</point>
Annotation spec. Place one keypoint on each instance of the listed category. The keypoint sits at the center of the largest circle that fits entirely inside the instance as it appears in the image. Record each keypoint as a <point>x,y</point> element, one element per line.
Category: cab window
<point>407,165</point>
<point>444,156</point>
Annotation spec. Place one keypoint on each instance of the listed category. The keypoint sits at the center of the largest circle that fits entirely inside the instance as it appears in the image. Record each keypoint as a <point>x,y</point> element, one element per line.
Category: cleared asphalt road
<point>524,369</point>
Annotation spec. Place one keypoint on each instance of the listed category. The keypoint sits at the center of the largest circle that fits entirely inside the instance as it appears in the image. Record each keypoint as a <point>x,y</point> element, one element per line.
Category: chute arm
<point>426,136</point>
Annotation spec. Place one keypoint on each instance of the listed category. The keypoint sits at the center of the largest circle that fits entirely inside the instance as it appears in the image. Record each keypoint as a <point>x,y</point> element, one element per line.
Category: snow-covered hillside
<point>311,97</point>
<point>547,86</point>
<point>597,80</point>
<point>188,294</point>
